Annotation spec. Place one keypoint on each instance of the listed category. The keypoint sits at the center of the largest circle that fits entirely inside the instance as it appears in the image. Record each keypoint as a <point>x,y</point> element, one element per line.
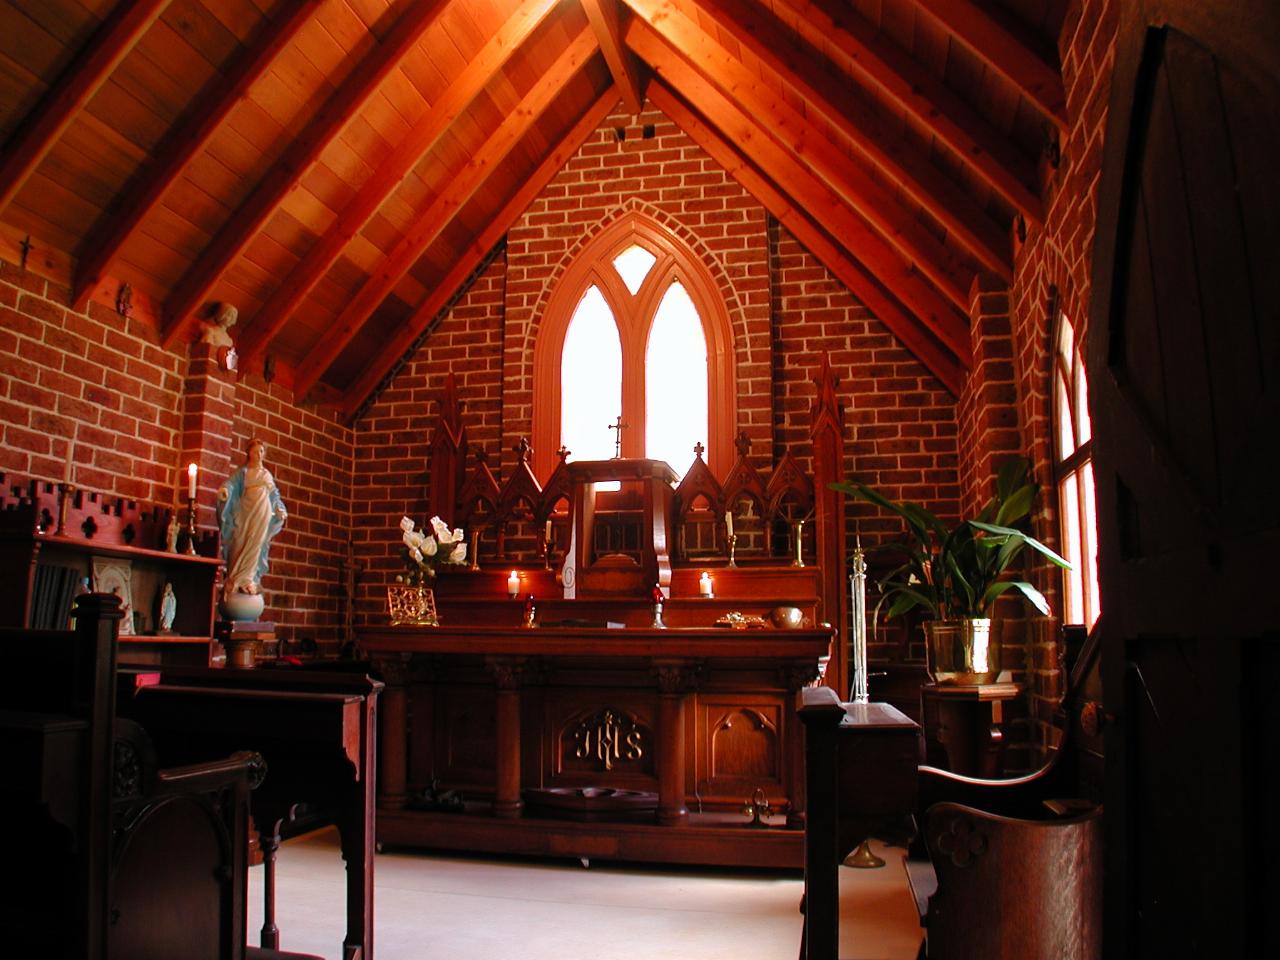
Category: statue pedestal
<point>243,640</point>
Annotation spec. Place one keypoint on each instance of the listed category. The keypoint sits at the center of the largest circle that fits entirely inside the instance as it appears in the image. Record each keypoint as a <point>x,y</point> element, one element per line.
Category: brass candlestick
<point>733,539</point>
<point>191,526</point>
<point>475,551</point>
<point>798,561</point>
<point>65,490</point>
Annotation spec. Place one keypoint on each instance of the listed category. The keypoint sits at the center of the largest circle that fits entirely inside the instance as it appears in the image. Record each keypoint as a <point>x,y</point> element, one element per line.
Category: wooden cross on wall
<point>617,440</point>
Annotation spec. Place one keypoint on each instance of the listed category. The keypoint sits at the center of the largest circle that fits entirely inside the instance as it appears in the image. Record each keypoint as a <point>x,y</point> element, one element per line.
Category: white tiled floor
<point>472,908</point>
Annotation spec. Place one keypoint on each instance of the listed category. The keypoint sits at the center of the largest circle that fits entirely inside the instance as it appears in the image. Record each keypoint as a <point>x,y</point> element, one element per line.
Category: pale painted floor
<point>431,907</point>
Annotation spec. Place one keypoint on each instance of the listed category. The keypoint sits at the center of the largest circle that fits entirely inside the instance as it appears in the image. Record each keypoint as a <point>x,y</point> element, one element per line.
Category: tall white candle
<point>192,471</point>
<point>728,523</point>
<point>66,473</point>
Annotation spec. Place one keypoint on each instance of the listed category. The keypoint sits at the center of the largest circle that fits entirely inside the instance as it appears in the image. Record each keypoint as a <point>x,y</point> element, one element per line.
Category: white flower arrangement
<point>424,551</point>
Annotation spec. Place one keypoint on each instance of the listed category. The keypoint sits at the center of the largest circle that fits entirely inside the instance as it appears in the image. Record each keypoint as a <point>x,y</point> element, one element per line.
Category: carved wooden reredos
<point>518,521</point>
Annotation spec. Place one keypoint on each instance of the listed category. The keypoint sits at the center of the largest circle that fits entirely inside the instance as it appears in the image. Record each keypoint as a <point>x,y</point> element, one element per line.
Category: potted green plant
<point>955,575</point>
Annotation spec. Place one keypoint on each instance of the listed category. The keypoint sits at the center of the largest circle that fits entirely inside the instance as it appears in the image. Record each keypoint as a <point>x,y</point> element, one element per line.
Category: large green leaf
<point>1016,506</point>
<point>1011,476</point>
<point>1031,542</point>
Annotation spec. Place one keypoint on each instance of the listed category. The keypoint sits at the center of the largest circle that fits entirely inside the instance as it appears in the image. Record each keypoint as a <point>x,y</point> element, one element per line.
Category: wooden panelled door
<point>1184,355</point>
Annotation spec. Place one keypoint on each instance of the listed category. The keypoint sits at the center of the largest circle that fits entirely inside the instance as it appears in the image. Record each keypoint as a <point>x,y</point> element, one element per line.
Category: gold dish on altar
<point>411,605</point>
<point>737,620</point>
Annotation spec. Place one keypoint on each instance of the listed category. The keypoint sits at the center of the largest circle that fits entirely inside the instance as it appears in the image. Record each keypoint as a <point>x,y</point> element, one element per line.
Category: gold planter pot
<point>962,651</point>
<point>411,606</point>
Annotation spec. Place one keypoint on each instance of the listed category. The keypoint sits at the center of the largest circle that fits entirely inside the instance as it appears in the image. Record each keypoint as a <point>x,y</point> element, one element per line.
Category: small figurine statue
<point>251,512</point>
<point>172,531</point>
<point>168,609</point>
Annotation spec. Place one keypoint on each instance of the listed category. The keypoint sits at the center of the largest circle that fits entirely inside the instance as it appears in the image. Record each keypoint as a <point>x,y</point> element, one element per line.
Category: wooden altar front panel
<point>727,691</point>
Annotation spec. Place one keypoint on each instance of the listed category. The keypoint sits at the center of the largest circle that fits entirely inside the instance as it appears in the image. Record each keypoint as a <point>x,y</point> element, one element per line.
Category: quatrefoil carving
<point>960,841</point>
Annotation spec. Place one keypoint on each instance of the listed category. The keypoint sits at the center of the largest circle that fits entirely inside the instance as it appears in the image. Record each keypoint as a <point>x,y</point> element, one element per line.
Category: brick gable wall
<point>137,414</point>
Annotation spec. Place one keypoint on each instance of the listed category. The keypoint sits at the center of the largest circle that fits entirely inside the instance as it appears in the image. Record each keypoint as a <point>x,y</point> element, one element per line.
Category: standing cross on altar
<point>617,441</point>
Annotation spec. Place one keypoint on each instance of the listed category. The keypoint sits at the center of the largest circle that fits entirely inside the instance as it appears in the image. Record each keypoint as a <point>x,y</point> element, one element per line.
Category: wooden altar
<point>700,717</point>
<point>600,732</point>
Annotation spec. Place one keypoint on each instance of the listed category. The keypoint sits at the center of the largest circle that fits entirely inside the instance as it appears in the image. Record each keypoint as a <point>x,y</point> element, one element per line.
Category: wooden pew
<point>121,858</point>
<point>1011,888</point>
<point>1011,868</point>
<point>860,778</point>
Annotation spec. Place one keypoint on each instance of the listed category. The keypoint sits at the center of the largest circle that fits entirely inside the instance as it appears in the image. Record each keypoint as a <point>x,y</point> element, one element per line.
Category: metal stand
<point>191,526</point>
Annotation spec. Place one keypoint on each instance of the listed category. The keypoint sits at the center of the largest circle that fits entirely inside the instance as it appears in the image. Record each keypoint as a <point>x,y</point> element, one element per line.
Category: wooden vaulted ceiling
<point>338,169</point>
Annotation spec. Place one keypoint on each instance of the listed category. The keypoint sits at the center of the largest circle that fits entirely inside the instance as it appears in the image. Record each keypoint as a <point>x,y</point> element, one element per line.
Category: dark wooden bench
<point>121,856</point>
<point>1011,868</point>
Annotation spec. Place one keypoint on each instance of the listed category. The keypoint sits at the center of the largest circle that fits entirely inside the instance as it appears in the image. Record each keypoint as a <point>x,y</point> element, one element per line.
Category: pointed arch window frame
<point>1072,469</point>
<point>634,314</point>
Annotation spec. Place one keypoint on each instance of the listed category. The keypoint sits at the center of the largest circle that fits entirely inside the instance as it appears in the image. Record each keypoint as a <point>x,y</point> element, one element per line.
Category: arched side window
<point>635,328</point>
<point>1073,457</point>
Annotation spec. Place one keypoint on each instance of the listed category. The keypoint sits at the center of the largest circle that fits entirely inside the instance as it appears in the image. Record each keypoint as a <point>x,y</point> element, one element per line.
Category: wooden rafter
<point>498,225</point>
<point>749,130</point>
<point>805,142</point>
<point>999,48</point>
<point>186,141</point>
<point>285,174</point>
<point>294,288</point>
<point>128,21</point>
<point>605,21</point>
<point>432,221</point>
<point>798,65</point>
<point>917,338</point>
<point>912,87</point>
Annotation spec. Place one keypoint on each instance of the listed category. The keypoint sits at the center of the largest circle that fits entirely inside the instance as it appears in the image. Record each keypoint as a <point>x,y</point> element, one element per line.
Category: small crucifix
<point>617,440</point>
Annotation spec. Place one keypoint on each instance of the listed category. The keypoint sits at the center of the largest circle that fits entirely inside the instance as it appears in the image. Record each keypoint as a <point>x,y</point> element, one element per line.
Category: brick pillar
<point>208,416</point>
<point>988,404</point>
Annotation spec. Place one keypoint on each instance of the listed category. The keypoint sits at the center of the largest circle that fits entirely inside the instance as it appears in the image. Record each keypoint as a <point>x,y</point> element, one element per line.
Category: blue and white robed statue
<point>251,513</point>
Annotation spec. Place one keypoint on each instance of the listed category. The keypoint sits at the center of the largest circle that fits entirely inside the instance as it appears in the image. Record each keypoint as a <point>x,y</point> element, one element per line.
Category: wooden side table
<point>963,726</point>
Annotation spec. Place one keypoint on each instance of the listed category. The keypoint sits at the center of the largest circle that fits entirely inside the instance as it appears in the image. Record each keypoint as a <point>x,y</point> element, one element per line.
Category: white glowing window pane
<point>1066,340</point>
<point>675,381</point>
<point>633,265</point>
<point>1093,605</point>
<point>1062,413</point>
<point>1084,429</point>
<point>1073,579</point>
<point>590,379</point>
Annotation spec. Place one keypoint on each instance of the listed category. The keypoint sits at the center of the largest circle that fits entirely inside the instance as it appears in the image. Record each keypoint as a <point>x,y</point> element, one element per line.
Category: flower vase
<point>411,606</point>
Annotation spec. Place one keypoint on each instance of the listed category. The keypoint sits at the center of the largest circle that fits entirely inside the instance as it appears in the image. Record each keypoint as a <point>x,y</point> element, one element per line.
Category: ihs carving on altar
<point>608,738</point>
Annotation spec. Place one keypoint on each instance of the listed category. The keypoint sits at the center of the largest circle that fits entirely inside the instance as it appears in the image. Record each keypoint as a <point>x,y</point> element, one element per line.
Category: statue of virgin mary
<point>251,514</point>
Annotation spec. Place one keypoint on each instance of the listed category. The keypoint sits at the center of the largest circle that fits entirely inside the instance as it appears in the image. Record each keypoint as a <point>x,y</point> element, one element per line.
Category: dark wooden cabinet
<point>51,541</point>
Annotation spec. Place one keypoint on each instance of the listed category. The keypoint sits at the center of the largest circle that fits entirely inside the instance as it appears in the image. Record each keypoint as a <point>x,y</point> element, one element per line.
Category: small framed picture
<point>114,575</point>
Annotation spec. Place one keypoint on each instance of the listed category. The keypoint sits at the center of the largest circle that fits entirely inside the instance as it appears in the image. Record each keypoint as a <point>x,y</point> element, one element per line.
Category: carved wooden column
<point>795,675</point>
<point>827,433</point>
<point>447,453</point>
<point>675,678</point>
<point>507,673</point>
<point>393,791</point>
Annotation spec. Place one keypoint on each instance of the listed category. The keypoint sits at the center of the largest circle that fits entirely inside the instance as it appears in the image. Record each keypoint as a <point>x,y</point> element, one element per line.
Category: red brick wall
<point>390,475</point>
<point>95,377</point>
<point>1059,255</point>
<point>784,306</point>
<point>139,413</point>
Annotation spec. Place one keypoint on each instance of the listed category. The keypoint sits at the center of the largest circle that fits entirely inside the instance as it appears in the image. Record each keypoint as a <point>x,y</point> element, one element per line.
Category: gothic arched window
<point>634,329</point>
<point>1073,458</point>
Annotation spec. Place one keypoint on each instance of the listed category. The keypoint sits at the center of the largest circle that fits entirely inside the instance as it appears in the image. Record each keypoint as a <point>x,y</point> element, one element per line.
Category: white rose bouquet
<point>424,551</point>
